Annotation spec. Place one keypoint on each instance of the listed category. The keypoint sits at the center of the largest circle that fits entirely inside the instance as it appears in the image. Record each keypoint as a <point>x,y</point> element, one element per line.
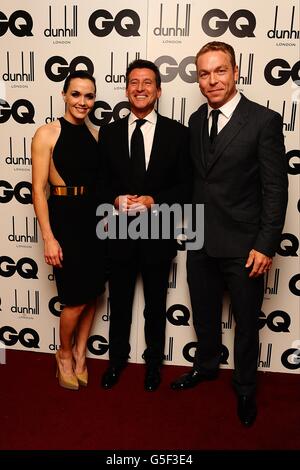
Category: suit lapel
<point>237,122</point>
<point>199,124</point>
<point>157,145</point>
<point>122,143</point>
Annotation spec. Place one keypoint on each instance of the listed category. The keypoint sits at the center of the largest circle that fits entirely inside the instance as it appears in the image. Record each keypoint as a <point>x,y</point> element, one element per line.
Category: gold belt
<point>68,190</point>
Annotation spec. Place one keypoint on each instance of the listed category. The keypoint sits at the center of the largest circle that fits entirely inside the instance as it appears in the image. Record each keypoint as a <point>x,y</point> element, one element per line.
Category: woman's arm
<point>41,157</point>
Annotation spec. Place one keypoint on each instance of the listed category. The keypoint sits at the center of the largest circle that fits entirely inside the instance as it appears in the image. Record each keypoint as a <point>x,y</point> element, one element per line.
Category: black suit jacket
<point>244,186</point>
<point>168,178</point>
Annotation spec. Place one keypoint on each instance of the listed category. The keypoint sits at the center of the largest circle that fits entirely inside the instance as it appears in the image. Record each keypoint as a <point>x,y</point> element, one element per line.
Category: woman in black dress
<point>65,155</point>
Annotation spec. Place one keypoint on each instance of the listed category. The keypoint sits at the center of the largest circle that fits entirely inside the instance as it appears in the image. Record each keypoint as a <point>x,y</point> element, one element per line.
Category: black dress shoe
<point>247,410</point>
<point>191,379</point>
<point>111,377</point>
<point>152,379</point>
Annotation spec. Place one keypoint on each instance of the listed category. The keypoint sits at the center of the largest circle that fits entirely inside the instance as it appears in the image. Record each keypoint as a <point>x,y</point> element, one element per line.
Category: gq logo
<point>293,168</point>
<point>291,357</point>
<point>178,315</point>
<point>18,28</point>
<point>25,267</point>
<point>24,197</point>
<point>55,306</point>
<point>107,113</point>
<point>289,245</point>
<point>171,69</point>
<point>63,68</point>
<point>275,325</point>
<point>122,26</point>
<point>97,345</point>
<point>22,117</point>
<point>293,284</point>
<point>188,356</point>
<point>284,72</point>
<point>220,26</point>
<point>28,338</point>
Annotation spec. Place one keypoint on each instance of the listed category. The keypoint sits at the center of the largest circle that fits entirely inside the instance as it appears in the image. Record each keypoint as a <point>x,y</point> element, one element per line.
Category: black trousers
<point>122,282</point>
<point>207,278</point>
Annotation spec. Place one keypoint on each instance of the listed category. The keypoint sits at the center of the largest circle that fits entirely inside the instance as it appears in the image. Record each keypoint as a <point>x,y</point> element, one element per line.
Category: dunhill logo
<point>172,282</point>
<point>117,78</point>
<point>178,115</point>
<point>245,79</point>
<point>169,355</point>
<point>227,325</point>
<point>274,289</point>
<point>283,33</point>
<point>11,160</point>
<point>51,117</point>
<point>54,346</point>
<point>32,308</point>
<point>265,364</point>
<point>21,76</point>
<point>288,126</point>
<point>174,30</point>
<point>24,237</point>
<point>63,32</point>
<point>181,112</point>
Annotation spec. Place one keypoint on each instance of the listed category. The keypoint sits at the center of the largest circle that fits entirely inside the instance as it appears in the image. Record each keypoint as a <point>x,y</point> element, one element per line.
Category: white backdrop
<point>40,43</point>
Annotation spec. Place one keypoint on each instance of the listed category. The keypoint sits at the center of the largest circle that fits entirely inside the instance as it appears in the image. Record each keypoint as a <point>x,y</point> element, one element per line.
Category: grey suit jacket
<point>244,186</point>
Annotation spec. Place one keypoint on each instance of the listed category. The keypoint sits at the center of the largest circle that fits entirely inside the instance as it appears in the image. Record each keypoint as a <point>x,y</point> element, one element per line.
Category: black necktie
<point>137,156</point>
<point>214,126</point>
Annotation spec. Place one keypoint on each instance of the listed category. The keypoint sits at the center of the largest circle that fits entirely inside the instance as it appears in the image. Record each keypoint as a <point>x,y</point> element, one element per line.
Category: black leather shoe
<point>152,379</point>
<point>191,379</point>
<point>111,377</point>
<point>246,410</point>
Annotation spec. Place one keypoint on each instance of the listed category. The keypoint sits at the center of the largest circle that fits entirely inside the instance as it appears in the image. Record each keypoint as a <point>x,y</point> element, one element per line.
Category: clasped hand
<point>132,203</point>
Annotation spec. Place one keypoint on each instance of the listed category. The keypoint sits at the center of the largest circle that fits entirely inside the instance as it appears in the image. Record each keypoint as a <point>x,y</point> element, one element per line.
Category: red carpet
<point>38,414</point>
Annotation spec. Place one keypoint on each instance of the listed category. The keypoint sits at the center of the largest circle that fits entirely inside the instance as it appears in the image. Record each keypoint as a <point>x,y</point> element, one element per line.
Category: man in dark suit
<point>132,186</point>
<point>237,148</point>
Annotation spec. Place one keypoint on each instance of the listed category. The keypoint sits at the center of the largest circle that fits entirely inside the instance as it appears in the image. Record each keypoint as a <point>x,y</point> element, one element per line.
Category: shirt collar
<point>151,117</point>
<point>228,108</point>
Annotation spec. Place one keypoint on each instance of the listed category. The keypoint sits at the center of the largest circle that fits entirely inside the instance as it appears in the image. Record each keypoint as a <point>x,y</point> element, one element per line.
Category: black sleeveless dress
<point>73,218</point>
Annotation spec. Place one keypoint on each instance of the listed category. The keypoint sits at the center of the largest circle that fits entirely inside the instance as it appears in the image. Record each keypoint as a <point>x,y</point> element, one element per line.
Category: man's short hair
<point>218,46</point>
<point>143,64</point>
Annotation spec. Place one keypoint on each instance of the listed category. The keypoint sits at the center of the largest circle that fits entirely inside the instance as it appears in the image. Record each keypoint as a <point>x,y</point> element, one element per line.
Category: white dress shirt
<point>147,129</point>
<point>226,112</point>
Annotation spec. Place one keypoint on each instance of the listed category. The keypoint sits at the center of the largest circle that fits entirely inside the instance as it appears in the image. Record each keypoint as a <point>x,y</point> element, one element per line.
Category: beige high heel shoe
<point>66,381</point>
<point>82,378</point>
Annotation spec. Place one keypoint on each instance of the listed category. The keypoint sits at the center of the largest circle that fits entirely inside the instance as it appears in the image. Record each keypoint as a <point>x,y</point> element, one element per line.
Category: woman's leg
<point>81,336</point>
<point>69,320</point>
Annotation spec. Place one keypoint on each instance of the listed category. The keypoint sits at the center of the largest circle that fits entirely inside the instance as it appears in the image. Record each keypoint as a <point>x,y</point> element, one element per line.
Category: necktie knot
<point>140,122</point>
<point>214,125</point>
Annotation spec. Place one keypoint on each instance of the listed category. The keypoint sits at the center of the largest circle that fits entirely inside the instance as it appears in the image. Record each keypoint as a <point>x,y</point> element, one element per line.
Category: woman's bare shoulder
<point>48,131</point>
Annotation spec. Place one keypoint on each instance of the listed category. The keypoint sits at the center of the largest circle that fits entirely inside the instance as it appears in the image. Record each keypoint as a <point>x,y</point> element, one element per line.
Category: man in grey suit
<point>240,176</point>
<point>146,162</point>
